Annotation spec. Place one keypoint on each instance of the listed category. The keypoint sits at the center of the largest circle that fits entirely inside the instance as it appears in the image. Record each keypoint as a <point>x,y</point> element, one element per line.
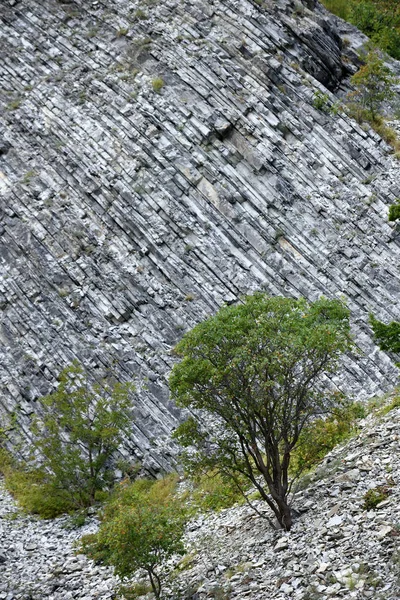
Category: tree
<point>141,528</point>
<point>373,84</point>
<point>256,373</point>
<point>78,431</point>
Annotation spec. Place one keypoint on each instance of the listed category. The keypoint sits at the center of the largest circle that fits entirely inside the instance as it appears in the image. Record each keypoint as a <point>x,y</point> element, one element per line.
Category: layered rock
<point>158,160</point>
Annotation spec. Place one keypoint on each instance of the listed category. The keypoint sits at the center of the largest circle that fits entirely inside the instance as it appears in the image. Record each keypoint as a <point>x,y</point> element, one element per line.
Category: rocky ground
<point>37,559</point>
<point>336,549</point>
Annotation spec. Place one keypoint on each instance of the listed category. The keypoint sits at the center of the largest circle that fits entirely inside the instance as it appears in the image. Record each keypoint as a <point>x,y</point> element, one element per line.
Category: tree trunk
<point>155,583</point>
<point>285,516</point>
<point>281,508</point>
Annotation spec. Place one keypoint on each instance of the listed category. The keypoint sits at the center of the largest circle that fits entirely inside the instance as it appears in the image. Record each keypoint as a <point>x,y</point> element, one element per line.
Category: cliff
<point>159,159</point>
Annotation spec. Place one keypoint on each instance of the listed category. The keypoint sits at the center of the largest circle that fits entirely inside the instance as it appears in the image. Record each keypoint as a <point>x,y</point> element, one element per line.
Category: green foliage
<point>136,590</point>
<point>79,430</point>
<point>387,133</point>
<point>388,336</point>
<point>322,435</point>
<point>33,488</point>
<point>338,7</point>
<point>255,371</point>
<point>142,527</point>
<point>395,403</point>
<point>157,84</point>
<point>6,461</point>
<point>321,100</point>
<point>213,492</point>
<point>375,496</point>
<point>373,84</point>
<point>14,104</point>
<point>394,211</point>
<point>379,19</point>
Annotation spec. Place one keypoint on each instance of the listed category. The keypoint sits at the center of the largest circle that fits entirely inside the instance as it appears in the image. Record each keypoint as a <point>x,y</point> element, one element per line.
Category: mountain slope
<point>158,160</point>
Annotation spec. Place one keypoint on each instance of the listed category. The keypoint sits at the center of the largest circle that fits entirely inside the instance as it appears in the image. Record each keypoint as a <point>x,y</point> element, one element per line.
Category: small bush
<point>33,488</point>
<point>394,211</point>
<point>14,104</point>
<point>37,493</point>
<point>80,428</point>
<point>136,590</point>
<point>158,84</point>
<point>378,19</point>
<point>375,496</point>
<point>338,7</point>
<point>212,492</point>
<point>321,101</point>
<point>6,461</point>
<point>395,403</point>
<point>321,436</point>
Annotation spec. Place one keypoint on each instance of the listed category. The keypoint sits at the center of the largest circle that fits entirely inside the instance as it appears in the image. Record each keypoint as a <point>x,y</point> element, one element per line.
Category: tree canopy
<point>255,373</point>
<point>79,429</point>
<point>142,527</point>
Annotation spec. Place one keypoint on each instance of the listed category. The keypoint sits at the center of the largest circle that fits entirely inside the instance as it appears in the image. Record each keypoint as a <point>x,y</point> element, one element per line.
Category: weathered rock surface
<point>127,215</point>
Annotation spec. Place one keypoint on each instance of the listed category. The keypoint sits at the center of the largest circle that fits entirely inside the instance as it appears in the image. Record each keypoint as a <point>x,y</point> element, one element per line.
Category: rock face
<point>157,160</point>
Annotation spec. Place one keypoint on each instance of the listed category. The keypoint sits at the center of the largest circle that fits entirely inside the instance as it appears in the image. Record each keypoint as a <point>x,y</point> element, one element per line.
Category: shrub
<point>254,372</point>
<point>338,7</point>
<point>37,493</point>
<point>375,496</point>
<point>322,435</point>
<point>142,526</point>
<point>394,211</point>
<point>80,428</point>
<point>321,101</point>
<point>395,403</point>
<point>122,32</point>
<point>158,84</point>
<point>379,19</point>
<point>387,336</point>
<point>6,461</point>
<point>213,492</point>
<point>373,84</point>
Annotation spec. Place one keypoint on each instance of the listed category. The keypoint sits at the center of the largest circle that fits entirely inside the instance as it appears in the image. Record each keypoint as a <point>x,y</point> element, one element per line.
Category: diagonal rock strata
<point>128,215</point>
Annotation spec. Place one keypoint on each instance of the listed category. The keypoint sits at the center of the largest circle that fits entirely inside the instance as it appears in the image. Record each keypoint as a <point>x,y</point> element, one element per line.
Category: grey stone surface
<point>127,215</point>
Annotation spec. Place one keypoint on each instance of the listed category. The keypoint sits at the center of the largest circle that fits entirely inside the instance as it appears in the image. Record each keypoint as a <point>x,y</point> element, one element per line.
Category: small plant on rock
<point>158,84</point>
<point>375,496</point>
<point>321,101</point>
<point>394,211</point>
